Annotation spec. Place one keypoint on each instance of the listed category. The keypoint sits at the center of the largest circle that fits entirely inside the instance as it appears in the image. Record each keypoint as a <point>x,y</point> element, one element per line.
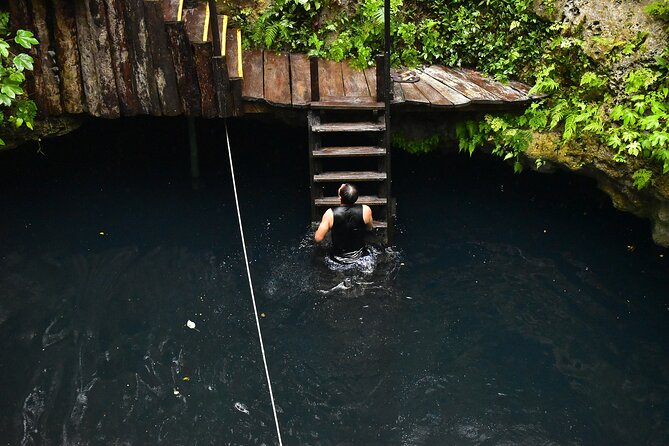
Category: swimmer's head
<point>348,193</point>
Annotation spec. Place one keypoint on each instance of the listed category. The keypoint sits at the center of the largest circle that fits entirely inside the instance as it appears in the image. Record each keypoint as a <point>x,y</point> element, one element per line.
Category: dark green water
<point>510,311</point>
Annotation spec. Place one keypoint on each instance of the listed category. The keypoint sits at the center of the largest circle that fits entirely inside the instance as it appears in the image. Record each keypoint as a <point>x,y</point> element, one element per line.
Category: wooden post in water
<point>192,142</point>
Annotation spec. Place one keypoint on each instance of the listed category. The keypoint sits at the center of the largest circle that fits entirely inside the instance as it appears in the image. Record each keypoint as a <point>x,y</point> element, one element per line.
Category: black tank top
<point>348,229</point>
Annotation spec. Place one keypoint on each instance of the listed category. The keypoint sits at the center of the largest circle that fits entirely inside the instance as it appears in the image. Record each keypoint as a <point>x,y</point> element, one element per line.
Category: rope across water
<point>253,297</point>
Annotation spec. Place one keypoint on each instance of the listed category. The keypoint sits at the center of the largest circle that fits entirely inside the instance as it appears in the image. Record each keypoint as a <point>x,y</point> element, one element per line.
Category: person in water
<point>348,223</point>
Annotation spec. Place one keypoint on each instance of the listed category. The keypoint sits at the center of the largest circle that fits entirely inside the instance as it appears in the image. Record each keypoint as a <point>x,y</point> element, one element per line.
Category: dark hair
<point>349,194</point>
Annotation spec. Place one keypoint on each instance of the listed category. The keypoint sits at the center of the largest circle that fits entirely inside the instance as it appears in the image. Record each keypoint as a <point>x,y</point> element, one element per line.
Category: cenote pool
<point>512,310</point>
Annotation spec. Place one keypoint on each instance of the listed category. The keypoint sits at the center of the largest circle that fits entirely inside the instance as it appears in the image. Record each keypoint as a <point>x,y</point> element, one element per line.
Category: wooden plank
<point>193,19</point>
<point>121,64</point>
<point>202,54</point>
<point>97,21</point>
<point>521,88</point>
<point>330,78</point>
<point>170,9</point>
<point>352,151</point>
<point>355,83</point>
<point>67,56</point>
<point>349,176</point>
<point>163,66</point>
<point>398,94</point>
<point>139,40</point>
<point>460,84</point>
<point>236,91</point>
<point>222,85</point>
<point>347,103</point>
<point>369,200</point>
<point>253,85</point>
<point>184,68</point>
<point>412,94</point>
<point>277,78</point>
<point>231,53</point>
<point>89,74</point>
<point>503,92</point>
<point>449,93</point>
<point>432,94</point>
<point>47,84</point>
<point>370,77</point>
<point>20,16</point>
<point>348,127</point>
<point>300,77</point>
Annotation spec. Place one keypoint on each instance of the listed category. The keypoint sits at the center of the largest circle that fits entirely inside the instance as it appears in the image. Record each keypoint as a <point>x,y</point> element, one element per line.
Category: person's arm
<point>325,226</point>
<point>367,217</point>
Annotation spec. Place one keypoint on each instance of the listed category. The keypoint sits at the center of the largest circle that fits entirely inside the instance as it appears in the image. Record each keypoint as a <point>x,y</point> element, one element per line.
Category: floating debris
<point>185,378</point>
<point>176,392</point>
<point>190,324</point>
<point>242,408</point>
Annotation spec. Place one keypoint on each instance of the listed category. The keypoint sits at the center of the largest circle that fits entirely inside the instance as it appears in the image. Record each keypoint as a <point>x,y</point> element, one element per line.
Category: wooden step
<point>348,127</point>
<point>349,151</point>
<point>347,103</point>
<point>327,177</point>
<point>369,200</point>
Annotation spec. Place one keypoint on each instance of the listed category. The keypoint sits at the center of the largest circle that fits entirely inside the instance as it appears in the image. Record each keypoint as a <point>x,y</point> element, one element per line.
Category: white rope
<point>253,297</point>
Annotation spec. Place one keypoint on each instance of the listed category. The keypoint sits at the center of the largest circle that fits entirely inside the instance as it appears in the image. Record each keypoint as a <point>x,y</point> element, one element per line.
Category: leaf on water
<point>242,408</point>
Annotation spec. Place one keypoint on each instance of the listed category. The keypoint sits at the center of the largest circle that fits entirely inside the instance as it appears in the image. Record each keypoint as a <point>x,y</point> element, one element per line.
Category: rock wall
<point>621,20</point>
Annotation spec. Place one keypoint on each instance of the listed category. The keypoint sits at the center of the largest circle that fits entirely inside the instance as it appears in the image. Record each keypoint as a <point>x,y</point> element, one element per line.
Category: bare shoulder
<point>366,213</point>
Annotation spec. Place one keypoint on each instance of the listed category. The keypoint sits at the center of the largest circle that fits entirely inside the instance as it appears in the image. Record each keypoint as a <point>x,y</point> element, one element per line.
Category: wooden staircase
<point>348,143</point>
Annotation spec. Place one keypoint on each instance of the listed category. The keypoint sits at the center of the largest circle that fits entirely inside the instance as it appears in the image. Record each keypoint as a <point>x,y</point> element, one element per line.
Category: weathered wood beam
<point>139,42</point>
<point>222,86</point>
<point>89,74</point>
<point>253,64</point>
<point>300,79</point>
<point>202,54</point>
<point>236,90</point>
<point>97,21</point>
<point>184,67</point>
<point>121,64</point>
<point>67,56</point>
<point>46,69</point>
<point>277,78</point>
<point>163,66</point>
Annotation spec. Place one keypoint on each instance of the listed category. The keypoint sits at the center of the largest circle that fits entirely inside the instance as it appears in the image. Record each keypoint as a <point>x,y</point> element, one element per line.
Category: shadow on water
<point>510,311</point>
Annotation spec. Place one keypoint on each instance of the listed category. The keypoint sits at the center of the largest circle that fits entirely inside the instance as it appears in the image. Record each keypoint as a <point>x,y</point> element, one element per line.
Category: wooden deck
<point>117,58</point>
<point>283,79</point>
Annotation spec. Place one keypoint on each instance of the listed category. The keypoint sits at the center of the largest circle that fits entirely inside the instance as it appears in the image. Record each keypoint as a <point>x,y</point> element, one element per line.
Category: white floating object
<point>242,408</point>
<point>176,392</point>
<point>190,324</point>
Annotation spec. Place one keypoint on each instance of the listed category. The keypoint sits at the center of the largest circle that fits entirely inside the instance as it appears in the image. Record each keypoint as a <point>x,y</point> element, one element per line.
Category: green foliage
<point>583,102</point>
<point>642,178</point>
<point>659,9</point>
<point>15,108</point>
<point>500,37</point>
<point>416,146</point>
